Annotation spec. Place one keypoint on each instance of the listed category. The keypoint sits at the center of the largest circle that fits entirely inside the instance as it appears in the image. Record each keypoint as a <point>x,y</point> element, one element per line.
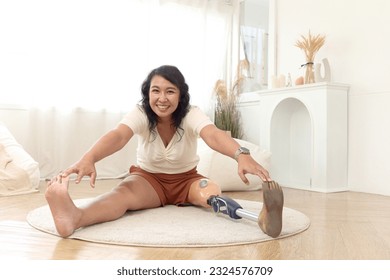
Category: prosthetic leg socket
<point>230,207</point>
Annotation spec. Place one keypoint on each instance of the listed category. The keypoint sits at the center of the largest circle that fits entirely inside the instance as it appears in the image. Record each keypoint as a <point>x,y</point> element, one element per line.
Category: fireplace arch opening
<point>291,143</point>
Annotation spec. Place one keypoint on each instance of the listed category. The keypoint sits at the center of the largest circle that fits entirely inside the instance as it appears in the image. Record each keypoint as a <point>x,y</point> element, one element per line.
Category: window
<point>95,54</point>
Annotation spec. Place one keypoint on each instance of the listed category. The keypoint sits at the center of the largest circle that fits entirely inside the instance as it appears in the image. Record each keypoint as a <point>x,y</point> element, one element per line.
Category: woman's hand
<point>246,164</point>
<point>84,167</point>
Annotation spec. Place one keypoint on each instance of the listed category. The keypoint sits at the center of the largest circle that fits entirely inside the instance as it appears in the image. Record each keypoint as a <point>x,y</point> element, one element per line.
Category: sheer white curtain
<point>74,67</point>
<point>95,54</point>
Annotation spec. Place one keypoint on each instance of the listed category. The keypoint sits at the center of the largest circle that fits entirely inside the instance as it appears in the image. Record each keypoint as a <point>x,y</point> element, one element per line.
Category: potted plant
<point>226,114</point>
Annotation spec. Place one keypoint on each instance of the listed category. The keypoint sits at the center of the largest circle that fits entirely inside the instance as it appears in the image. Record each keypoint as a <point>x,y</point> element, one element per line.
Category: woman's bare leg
<point>133,193</point>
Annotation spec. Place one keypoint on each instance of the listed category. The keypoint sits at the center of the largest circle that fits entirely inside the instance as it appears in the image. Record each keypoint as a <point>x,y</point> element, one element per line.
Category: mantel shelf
<point>256,95</point>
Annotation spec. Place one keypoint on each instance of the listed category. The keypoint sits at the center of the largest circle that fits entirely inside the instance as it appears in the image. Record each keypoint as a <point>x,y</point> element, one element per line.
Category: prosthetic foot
<point>270,217</point>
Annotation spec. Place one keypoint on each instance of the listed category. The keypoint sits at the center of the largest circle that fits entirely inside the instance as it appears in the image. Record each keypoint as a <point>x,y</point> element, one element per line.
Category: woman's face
<point>163,97</point>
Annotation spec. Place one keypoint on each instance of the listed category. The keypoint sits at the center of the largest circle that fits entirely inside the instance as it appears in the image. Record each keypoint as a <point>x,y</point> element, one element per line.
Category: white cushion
<point>20,157</point>
<point>223,170</point>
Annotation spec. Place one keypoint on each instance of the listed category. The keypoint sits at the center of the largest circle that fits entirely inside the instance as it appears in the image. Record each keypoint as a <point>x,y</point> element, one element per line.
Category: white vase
<point>317,71</point>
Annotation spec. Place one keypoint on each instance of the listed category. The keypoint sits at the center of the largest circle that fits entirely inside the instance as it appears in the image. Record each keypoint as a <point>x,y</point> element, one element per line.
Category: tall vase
<point>309,74</point>
<point>317,71</point>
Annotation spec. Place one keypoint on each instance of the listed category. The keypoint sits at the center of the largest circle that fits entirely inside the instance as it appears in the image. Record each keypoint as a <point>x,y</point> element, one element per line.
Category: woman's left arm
<point>221,142</point>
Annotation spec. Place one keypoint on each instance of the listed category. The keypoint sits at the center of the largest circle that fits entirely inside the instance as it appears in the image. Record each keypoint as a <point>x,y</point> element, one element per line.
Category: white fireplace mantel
<point>306,130</point>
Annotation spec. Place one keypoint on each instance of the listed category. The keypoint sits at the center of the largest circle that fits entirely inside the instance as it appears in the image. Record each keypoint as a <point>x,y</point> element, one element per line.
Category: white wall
<point>358,49</point>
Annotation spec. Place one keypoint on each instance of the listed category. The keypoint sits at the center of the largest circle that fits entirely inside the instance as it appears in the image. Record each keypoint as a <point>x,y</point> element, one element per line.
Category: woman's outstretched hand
<point>83,167</point>
<point>246,164</point>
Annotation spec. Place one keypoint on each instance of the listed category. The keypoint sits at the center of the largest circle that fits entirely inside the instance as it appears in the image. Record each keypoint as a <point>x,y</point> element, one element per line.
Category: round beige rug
<point>173,226</point>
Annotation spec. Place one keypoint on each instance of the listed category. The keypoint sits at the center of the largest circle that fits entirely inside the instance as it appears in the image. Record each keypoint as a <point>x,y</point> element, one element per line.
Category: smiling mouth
<point>162,107</point>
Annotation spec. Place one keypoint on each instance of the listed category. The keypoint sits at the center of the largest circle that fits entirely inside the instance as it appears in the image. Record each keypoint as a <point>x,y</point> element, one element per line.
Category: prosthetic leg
<point>270,217</point>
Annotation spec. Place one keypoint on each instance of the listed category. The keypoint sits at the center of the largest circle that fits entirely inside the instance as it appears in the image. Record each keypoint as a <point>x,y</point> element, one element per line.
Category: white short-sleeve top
<point>180,154</point>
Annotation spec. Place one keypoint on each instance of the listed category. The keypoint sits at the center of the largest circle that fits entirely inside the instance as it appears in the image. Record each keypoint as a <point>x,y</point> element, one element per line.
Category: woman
<point>167,128</point>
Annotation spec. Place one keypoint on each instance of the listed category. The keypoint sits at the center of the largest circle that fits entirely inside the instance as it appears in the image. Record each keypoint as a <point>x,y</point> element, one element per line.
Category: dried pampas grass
<point>226,115</point>
<point>310,46</point>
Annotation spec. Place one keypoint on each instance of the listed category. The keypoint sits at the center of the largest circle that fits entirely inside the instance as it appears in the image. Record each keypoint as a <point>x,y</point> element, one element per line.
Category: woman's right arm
<point>108,144</point>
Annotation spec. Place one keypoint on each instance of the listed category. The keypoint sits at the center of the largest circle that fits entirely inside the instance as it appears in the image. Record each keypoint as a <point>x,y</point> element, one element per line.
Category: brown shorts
<point>171,188</point>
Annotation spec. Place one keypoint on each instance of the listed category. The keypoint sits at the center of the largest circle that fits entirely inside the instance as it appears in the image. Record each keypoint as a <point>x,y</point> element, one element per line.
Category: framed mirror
<point>257,43</point>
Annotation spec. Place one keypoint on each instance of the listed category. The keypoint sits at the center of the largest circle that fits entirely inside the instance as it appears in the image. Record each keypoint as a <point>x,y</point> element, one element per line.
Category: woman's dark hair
<point>173,75</point>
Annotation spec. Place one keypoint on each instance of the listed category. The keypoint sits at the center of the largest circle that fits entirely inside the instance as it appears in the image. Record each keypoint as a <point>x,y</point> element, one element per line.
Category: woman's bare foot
<point>65,213</point>
<point>270,218</point>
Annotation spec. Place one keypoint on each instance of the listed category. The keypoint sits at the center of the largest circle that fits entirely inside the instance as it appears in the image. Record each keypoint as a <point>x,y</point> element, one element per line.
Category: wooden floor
<point>344,226</point>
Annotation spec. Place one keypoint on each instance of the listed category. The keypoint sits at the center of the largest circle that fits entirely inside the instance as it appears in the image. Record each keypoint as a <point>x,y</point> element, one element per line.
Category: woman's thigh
<point>201,190</point>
